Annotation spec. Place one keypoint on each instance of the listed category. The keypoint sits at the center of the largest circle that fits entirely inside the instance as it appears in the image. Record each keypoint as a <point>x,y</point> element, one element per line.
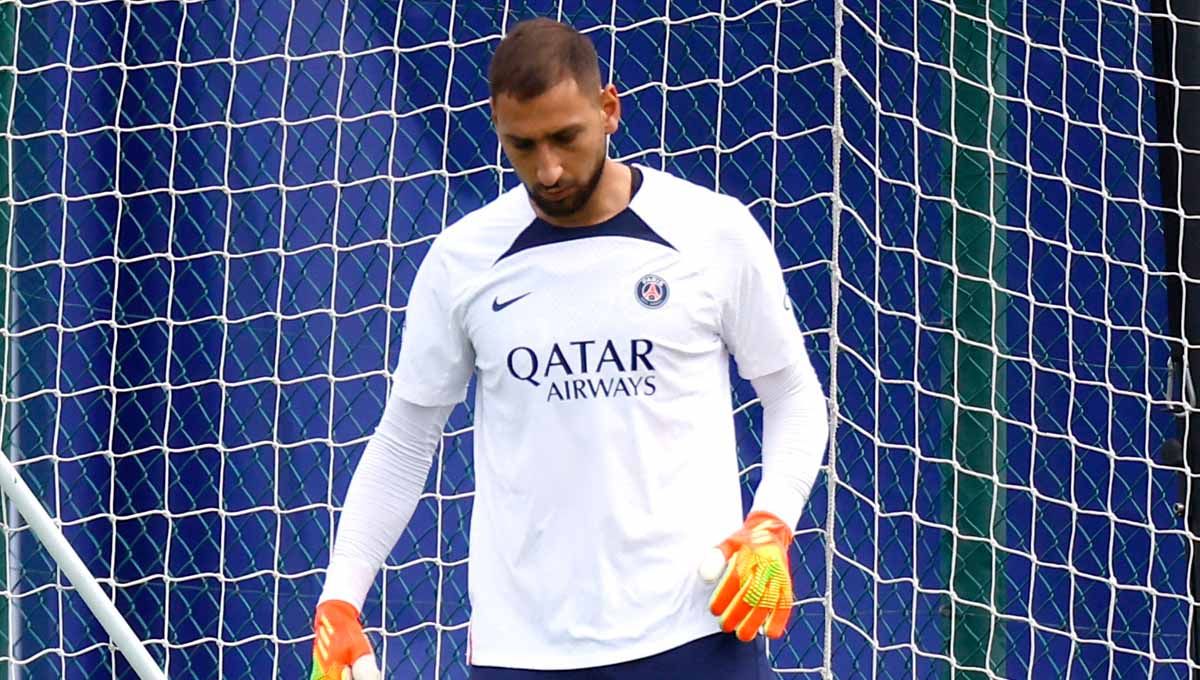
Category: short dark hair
<point>538,54</point>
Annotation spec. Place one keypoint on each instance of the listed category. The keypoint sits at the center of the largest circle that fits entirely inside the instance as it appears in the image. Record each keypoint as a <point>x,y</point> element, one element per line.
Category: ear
<point>610,108</point>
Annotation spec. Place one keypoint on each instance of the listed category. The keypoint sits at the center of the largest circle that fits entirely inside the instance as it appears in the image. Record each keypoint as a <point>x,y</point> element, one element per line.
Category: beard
<point>570,204</point>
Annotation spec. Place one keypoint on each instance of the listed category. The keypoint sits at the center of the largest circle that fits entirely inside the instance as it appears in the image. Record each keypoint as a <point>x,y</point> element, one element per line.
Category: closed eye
<point>566,137</point>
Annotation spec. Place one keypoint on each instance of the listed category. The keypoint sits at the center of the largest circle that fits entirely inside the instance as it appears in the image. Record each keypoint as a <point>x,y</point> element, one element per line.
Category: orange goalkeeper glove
<point>756,589</point>
<point>341,650</point>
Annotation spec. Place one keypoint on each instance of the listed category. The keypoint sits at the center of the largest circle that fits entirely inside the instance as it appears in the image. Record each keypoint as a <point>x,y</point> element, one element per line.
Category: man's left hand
<point>756,589</point>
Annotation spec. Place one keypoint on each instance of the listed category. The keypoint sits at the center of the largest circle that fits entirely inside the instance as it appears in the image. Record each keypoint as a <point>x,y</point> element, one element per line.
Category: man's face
<point>556,142</point>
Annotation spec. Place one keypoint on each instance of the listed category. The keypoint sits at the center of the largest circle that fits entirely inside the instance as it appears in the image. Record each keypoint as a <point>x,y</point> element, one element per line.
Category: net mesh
<point>212,212</point>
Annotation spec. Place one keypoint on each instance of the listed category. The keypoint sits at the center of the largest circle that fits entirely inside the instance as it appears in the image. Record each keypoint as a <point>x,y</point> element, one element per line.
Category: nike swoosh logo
<point>497,305</point>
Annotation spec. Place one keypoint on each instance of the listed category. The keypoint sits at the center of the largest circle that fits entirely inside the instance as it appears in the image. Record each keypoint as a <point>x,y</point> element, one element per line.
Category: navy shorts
<point>720,656</point>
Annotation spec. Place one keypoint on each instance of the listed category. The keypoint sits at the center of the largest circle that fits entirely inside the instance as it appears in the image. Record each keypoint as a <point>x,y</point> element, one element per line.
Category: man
<point>598,305</point>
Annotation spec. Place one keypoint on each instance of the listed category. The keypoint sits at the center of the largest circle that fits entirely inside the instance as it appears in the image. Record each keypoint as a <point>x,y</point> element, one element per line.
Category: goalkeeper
<point>598,305</point>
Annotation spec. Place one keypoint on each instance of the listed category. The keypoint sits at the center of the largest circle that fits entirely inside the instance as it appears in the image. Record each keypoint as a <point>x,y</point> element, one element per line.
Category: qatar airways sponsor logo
<point>587,369</point>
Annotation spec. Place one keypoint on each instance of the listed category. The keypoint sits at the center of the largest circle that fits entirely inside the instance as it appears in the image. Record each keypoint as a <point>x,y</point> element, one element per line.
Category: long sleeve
<point>795,432</point>
<point>383,494</point>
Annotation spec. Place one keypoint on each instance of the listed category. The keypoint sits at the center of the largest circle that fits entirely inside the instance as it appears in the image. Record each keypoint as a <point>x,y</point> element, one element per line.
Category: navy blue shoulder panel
<point>626,223</point>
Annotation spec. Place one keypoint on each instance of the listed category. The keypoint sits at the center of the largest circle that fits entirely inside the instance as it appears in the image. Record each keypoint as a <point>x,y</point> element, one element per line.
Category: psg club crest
<point>652,291</point>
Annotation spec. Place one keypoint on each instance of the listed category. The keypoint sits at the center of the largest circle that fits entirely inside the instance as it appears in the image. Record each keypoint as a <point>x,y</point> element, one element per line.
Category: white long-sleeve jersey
<point>604,442</point>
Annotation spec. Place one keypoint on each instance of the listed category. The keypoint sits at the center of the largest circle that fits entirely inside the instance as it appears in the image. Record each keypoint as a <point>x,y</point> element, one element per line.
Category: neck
<point>610,197</point>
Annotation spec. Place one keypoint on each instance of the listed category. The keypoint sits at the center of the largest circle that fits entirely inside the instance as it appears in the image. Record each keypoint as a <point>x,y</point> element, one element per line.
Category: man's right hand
<point>341,650</point>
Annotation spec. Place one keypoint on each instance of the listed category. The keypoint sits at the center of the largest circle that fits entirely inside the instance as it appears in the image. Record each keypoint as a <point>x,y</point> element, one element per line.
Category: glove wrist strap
<point>781,531</point>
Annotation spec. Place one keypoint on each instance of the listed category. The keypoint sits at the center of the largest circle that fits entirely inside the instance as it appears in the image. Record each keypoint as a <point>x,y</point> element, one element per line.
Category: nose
<point>549,168</point>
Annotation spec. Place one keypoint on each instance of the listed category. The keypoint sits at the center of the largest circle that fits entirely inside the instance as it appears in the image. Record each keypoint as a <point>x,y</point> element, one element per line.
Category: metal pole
<point>65,556</point>
<point>1177,66</point>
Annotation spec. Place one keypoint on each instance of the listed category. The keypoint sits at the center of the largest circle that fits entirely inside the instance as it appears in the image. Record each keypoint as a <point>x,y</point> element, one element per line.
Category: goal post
<point>98,601</point>
<point>212,212</point>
